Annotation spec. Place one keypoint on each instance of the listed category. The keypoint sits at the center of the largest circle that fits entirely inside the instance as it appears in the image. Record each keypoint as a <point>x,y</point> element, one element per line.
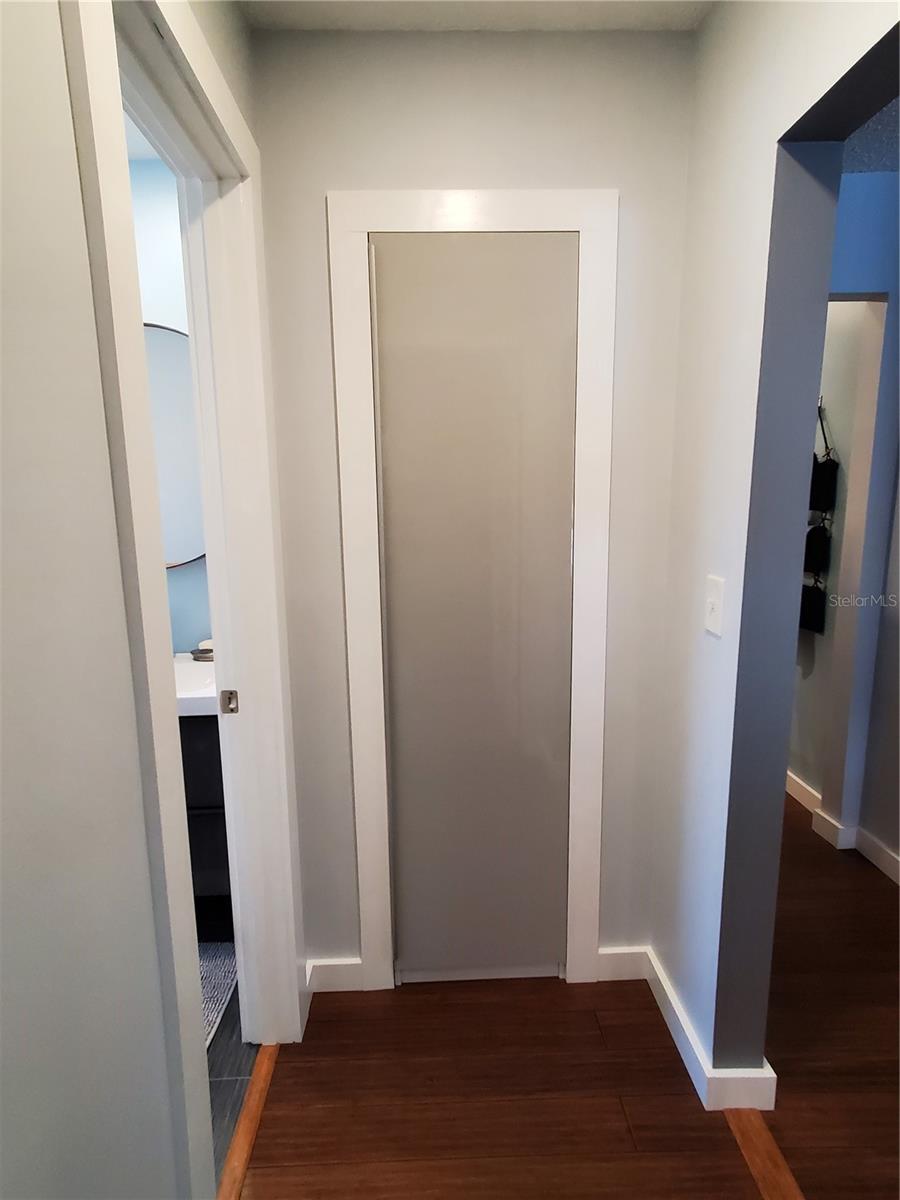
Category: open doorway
<point>828,375</point>
<point>155,63</point>
<point>179,471</point>
<point>840,761</point>
<point>826,736</point>
<point>833,997</point>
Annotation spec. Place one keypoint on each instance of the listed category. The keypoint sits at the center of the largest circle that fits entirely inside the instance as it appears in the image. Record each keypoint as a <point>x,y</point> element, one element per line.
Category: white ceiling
<point>445,15</point>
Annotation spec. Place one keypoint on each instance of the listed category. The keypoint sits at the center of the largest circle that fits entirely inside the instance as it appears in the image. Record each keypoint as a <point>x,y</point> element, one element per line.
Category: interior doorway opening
<point>353,218</point>
<point>828,374</point>
<point>810,186</point>
<point>829,730</point>
<point>159,223</point>
<point>154,61</point>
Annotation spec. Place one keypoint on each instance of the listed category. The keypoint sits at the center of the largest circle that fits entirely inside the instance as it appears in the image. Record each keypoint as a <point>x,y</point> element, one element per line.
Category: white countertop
<point>195,686</point>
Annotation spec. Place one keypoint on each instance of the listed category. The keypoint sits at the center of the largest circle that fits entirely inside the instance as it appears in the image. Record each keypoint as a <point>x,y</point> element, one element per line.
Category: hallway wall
<point>456,110</point>
<point>87,1108</point>
<point>85,1092</point>
<point>759,68</point>
<point>865,261</point>
<point>225,29</point>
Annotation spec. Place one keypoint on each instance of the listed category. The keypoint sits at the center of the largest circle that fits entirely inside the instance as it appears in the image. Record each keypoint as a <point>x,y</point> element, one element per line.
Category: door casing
<point>352,217</point>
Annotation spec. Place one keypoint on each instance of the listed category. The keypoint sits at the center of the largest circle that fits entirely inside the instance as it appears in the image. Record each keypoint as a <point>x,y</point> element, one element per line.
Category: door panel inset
<point>476,339</point>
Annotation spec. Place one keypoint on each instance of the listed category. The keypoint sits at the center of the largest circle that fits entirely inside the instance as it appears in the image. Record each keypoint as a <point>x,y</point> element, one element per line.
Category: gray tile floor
<point>230,1064</point>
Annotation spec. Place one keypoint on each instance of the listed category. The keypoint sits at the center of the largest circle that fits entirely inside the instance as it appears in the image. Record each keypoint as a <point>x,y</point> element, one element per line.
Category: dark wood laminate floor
<point>514,1088</point>
<point>833,1019</point>
<point>230,1063</point>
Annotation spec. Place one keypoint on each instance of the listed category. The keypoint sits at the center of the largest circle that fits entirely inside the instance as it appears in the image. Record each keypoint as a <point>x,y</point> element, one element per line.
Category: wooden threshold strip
<point>771,1173</point>
<point>237,1160</point>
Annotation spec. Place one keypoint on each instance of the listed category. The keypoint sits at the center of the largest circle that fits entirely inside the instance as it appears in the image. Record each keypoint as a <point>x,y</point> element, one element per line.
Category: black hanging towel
<point>817,557</point>
<point>812,607</point>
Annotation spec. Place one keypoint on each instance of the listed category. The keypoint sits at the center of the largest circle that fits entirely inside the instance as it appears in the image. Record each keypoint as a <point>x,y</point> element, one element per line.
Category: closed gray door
<point>475,361</point>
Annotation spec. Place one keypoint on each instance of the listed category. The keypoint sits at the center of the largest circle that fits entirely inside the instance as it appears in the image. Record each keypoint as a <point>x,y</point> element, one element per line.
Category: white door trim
<point>352,216</point>
<point>177,94</point>
<point>717,1087</point>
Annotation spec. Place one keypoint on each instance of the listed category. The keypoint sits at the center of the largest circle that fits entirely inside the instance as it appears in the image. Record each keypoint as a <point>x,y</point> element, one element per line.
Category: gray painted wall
<point>469,110</point>
<point>759,68</point>
<point>804,209</point>
<point>414,111</point>
<point>225,29</point>
<point>791,303</point>
<point>83,1086</point>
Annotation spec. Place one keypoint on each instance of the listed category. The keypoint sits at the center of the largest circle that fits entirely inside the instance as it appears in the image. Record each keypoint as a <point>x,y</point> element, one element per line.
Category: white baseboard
<point>717,1087</point>
<point>451,976</point>
<point>842,837</point>
<point>623,962</point>
<point>878,854</point>
<point>806,795</point>
<point>334,974</point>
<point>305,1001</point>
<point>854,837</point>
<point>346,974</point>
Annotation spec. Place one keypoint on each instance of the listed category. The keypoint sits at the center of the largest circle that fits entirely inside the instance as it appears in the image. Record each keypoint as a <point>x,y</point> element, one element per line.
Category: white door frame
<point>352,216</point>
<point>174,90</point>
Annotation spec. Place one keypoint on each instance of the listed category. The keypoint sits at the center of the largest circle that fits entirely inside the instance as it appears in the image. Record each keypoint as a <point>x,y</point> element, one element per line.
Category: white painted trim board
<point>801,791</point>
<point>843,837</point>
<point>717,1087</point>
<point>177,95</point>
<point>846,837</point>
<point>545,971</point>
<point>335,974</point>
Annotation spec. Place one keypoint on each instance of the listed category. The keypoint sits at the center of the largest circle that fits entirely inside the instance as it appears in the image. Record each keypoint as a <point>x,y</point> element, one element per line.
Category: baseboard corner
<point>741,1087</point>
<point>334,974</point>
<point>622,962</point>
<point>799,790</point>
<point>717,1087</point>
<point>842,837</point>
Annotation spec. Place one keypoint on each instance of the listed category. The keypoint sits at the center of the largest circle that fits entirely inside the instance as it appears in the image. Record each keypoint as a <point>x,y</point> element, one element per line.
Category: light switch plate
<point>715,599</point>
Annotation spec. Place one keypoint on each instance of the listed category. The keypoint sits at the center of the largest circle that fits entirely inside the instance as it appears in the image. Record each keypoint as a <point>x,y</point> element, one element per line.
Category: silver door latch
<point>228,701</point>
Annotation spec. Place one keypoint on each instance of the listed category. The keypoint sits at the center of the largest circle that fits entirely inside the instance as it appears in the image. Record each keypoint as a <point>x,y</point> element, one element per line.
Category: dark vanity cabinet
<point>202,761</point>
